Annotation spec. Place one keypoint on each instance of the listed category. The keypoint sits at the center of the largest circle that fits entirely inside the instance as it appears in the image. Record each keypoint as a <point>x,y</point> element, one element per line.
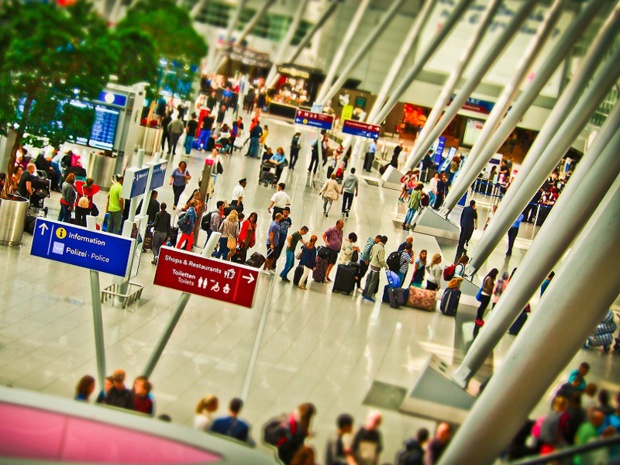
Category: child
<point>143,402</point>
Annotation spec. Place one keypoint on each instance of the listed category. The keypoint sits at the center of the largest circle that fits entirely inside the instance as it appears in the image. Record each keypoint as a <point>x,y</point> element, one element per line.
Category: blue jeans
<point>288,266</point>
<point>204,138</point>
<point>189,140</point>
<point>223,250</point>
<point>431,198</point>
<point>64,214</point>
<point>254,147</point>
<point>410,215</point>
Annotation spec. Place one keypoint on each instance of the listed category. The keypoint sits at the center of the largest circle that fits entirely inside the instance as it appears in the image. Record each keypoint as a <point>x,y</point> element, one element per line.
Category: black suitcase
<point>389,296</point>
<point>450,302</point>
<point>320,271</point>
<point>174,235</point>
<point>30,223</point>
<point>518,324</point>
<point>345,279</point>
<point>297,276</point>
<point>256,260</point>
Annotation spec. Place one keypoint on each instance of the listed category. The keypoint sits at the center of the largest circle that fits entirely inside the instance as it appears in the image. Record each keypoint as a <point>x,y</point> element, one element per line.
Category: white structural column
<point>292,29</point>
<point>342,48</point>
<point>457,73</point>
<point>461,97</point>
<point>570,307</point>
<point>549,147</point>
<point>370,40</point>
<point>399,61</point>
<point>196,8</point>
<point>592,178</point>
<point>474,162</point>
<point>217,60</point>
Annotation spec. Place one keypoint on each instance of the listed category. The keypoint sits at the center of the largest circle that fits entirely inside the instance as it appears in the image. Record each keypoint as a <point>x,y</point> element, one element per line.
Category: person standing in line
<point>247,236</point>
<point>178,180</point>
<point>377,261</point>
<point>175,129</point>
<point>203,417</point>
<point>205,132</point>
<point>419,269</point>
<point>115,206</point>
<point>285,223</point>
<point>435,273</point>
<point>119,396</point>
<point>432,189</point>
<point>427,165</point>
<point>512,234</point>
<point>273,239</point>
<point>291,245</point>
<point>256,134</point>
<point>68,198</point>
<point>190,133</point>
<point>370,156</point>
<point>413,450</point>
<point>187,233</point>
<point>348,247</point>
<point>339,443</point>
<point>365,259</point>
<point>314,161</point>
<point>408,240</point>
<point>161,230</point>
<point>333,240</point>
<point>438,444</point>
<point>85,388</point>
<point>414,204</point>
<point>486,291</point>
<point>228,240</point>
<point>500,287</point>
<point>350,187</point>
<point>308,261</point>
<point>469,222</point>
<point>329,192</point>
<point>295,147</point>
<point>279,201</point>
<point>231,425</point>
<point>165,134</point>
<point>442,190</point>
<point>407,257</point>
<point>367,443</point>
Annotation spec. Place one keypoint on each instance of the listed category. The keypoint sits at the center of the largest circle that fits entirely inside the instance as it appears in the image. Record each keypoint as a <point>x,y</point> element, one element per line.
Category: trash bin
<point>101,169</point>
<point>13,212</point>
<point>149,139</point>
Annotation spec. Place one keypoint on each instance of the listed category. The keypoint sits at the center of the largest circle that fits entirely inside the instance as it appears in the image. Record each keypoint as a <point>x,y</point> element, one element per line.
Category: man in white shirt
<point>239,192</point>
<point>279,200</point>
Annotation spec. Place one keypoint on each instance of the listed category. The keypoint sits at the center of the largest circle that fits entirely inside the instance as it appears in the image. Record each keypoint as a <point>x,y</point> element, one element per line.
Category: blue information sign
<point>134,183</point>
<point>159,175</point>
<point>316,120</point>
<point>81,247</point>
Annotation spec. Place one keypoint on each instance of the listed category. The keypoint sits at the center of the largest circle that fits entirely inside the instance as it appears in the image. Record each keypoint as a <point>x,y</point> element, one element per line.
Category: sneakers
<point>479,322</point>
<point>369,299</point>
<point>285,279</point>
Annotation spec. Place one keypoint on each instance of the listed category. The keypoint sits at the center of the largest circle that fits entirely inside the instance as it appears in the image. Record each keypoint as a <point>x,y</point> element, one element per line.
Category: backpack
<point>184,223</point>
<point>205,223</point>
<point>425,200</point>
<point>84,202</point>
<point>393,261</point>
<point>448,272</point>
<point>274,431</point>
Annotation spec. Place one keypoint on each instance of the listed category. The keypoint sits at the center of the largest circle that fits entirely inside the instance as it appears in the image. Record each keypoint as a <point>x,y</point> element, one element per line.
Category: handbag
<point>479,295</point>
<point>232,243</point>
<point>300,253</point>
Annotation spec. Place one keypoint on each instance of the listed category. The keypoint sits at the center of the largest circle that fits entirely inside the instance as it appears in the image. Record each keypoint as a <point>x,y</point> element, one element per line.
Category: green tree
<point>49,56</point>
<point>137,58</point>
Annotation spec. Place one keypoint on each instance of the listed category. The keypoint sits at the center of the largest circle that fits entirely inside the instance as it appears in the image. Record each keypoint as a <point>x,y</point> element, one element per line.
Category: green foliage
<point>137,57</point>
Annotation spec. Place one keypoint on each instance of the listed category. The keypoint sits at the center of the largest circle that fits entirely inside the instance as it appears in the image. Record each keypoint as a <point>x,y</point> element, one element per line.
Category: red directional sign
<point>358,128</point>
<point>316,120</point>
<point>188,272</point>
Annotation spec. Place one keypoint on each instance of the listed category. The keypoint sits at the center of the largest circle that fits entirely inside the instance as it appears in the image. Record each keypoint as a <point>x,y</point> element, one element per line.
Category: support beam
<point>555,137</point>
<point>370,40</point>
<point>342,48</point>
<point>196,9</point>
<point>461,97</point>
<point>292,29</point>
<point>593,177</point>
<point>474,162</point>
<point>229,30</point>
<point>570,308</point>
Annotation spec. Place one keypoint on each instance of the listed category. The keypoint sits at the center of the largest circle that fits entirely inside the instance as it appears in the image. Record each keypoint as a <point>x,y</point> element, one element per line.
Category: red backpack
<point>448,272</point>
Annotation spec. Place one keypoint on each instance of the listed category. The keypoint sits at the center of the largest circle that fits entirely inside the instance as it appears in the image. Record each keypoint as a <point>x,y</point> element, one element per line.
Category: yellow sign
<point>347,112</point>
<point>61,233</point>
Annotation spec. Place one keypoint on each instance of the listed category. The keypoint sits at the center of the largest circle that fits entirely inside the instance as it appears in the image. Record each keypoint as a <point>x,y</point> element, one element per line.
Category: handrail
<point>568,452</point>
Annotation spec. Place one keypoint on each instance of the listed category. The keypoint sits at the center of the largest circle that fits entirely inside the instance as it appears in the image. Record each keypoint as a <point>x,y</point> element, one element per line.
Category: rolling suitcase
<point>423,299</point>
<point>450,302</point>
<point>256,260</point>
<point>297,276</point>
<point>321,267</point>
<point>345,279</point>
<point>389,296</point>
<point>518,324</point>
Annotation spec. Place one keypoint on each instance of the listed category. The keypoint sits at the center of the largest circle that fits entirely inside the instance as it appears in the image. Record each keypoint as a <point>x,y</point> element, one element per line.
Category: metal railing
<point>569,452</point>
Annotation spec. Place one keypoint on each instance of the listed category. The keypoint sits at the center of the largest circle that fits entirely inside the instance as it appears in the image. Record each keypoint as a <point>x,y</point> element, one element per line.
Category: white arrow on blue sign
<point>74,245</point>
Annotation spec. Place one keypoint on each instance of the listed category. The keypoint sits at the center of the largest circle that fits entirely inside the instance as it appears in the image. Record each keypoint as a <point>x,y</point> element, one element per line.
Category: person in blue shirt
<point>546,282</point>
<point>231,425</point>
<point>370,156</point>
<point>512,234</point>
<point>582,371</point>
<point>278,159</point>
<point>85,388</point>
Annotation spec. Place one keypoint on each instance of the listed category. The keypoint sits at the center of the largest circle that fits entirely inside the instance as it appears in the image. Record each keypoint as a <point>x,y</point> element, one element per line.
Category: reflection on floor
<point>340,352</point>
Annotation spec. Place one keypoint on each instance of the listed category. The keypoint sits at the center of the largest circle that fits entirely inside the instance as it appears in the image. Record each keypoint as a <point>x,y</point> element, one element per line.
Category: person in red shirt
<point>142,399</point>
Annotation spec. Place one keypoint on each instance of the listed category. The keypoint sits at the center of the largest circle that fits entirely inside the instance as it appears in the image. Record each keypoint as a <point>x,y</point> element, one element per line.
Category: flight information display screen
<point>104,127</point>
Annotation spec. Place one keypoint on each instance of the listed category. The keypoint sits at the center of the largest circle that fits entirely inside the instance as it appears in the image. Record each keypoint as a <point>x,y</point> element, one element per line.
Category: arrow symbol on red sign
<point>250,278</point>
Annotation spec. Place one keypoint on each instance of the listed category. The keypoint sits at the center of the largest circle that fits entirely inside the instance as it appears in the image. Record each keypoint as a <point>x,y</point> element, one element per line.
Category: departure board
<point>104,128</point>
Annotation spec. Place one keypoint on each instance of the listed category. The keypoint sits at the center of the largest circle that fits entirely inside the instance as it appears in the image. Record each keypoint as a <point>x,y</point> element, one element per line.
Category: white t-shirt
<point>238,191</point>
<point>433,185</point>
<point>203,422</point>
<point>280,199</point>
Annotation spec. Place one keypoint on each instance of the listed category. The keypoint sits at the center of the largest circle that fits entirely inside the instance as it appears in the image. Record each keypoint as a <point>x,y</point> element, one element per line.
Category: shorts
<point>332,257</point>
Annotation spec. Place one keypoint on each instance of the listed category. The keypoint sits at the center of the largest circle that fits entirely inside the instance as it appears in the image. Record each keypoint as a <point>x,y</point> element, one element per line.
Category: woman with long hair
<point>205,408</point>
<point>419,269</point>
<point>308,261</point>
<point>84,388</point>
<point>485,293</point>
<point>247,236</point>
<point>330,193</point>
<point>67,198</point>
<point>228,240</point>
<point>296,430</point>
<point>179,178</point>
<point>435,273</point>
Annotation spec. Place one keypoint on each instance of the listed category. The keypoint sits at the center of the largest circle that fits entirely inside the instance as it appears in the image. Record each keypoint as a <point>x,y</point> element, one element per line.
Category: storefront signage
<point>316,120</point>
<point>477,105</point>
<point>347,112</point>
<point>357,128</point>
<point>207,277</point>
<point>74,245</point>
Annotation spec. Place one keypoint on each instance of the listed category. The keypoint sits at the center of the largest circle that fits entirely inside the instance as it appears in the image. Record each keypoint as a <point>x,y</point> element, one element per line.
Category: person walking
<point>205,132</point>
<point>295,148</point>
<point>333,240</point>
<point>330,193</point>
<point>291,245</point>
<point>178,180</point>
<point>308,261</point>
<point>512,234</point>
<point>377,262</point>
<point>161,230</point>
<point>314,160</point>
<point>190,133</point>
<point>350,188</point>
<point>435,273</point>
<point>469,222</point>
<point>175,129</point>
<point>414,204</point>
<point>115,206</point>
<point>228,240</point>
<point>68,198</point>
<point>484,297</point>
<point>238,194</point>
<point>165,134</point>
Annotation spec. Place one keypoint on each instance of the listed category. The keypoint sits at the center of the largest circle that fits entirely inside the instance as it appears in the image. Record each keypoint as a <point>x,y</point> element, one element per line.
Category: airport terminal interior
<point>341,352</point>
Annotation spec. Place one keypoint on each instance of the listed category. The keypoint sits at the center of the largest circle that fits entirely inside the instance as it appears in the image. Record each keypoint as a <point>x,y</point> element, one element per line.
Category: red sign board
<point>358,128</point>
<point>207,277</point>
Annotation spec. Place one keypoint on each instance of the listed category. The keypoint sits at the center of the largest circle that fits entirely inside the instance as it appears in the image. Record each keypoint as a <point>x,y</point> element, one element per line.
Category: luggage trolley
<point>41,188</point>
<point>268,174</point>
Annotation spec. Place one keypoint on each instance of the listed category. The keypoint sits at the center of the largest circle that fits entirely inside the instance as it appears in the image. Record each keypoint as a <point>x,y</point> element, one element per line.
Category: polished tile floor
<point>321,347</point>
